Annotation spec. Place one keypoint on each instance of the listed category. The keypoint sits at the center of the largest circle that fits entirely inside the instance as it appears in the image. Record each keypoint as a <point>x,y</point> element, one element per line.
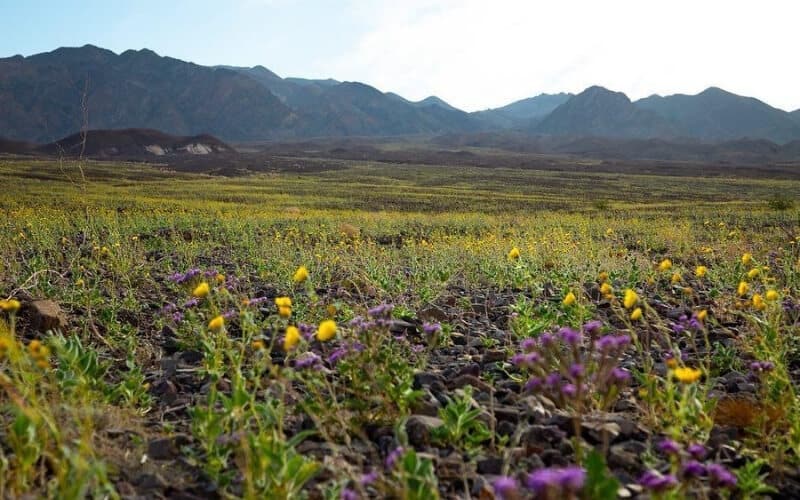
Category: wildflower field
<point>382,331</point>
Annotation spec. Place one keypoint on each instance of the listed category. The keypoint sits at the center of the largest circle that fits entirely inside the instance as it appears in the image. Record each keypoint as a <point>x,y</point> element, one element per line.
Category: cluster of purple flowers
<point>570,365</point>
<point>685,323</point>
<point>553,482</point>
<point>690,467</point>
<point>758,367</point>
<point>186,277</point>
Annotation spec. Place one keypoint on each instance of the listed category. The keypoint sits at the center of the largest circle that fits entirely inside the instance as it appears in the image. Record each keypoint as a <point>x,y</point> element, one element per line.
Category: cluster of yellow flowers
<point>40,353</point>
<point>687,375</point>
<point>284,306</point>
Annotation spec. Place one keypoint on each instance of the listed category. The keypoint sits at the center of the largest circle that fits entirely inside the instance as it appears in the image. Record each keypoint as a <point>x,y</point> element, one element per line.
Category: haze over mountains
<point>41,101</point>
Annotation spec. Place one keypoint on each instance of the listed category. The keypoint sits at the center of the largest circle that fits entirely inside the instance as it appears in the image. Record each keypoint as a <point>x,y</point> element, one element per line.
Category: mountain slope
<point>524,112</point>
<point>795,115</point>
<point>41,96</point>
<point>333,108</point>
<point>716,115</point>
<point>602,113</point>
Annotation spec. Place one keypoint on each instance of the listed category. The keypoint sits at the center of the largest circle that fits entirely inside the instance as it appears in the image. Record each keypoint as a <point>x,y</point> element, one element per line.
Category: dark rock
<point>465,380</point>
<point>506,428</point>
<point>493,356</point>
<point>165,390</point>
<point>473,369</point>
<point>432,313</point>
<point>150,482</point>
<point>554,458</point>
<point>425,379</point>
<point>490,465</point>
<point>627,455</point>
<point>191,357</point>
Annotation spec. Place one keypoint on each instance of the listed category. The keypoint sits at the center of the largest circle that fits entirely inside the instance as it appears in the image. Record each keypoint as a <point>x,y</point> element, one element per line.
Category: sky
<point>475,54</point>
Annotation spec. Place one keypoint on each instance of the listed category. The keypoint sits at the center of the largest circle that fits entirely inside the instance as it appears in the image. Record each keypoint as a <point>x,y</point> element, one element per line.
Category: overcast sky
<point>475,54</point>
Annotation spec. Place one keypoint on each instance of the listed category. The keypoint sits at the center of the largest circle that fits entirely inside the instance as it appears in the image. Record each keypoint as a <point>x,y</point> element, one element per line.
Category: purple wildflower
<point>336,355</point>
<point>369,478</point>
<point>620,376</point>
<point>177,317</point>
<point>569,390</point>
<point>348,494</point>
<point>720,476</point>
<point>607,343</point>
<point>553,379</point>
<point>669,447</point>
<point>693,468</point>
<point>592,327</point>
<point>654,481</point>
<point>533,384</point>
<point>431,328</point>
<point>307,361</point>
<point>191,303</point>
<point>393,457</point>
<point>381,311</point>
<point>417,348</point>
<point>566,479</point>
<point>576,370</point>
<point>505,487</point>
<point>230,314</point>
<point>569,336</point>
<point>697,451</point>
<point>546,339</point>
<point>528,344</point>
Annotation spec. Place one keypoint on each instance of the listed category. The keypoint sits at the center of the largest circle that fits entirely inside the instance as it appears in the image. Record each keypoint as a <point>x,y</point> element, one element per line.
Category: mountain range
<point>51,95</point>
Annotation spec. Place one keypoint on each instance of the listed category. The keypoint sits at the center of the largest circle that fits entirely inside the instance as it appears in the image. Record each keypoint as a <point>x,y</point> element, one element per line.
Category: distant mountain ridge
<point>42,99</point>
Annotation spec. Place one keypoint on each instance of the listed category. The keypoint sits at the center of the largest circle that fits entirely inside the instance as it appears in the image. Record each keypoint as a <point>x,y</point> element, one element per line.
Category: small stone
<point>490,465</point>
<point>465,380</point>
<point>46,315</point>
<point>162,449</point>
<point>419,429</point>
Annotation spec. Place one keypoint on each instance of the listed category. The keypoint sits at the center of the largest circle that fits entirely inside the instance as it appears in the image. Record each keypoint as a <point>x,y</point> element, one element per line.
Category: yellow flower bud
<point>326,330</point>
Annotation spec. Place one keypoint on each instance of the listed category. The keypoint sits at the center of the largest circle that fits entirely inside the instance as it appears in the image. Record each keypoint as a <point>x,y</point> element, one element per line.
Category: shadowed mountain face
<point>523,113</point>
<point>50,95</point>
<point>41,96</point>
<point>133,144</point>
<point>600,112</point>
<point>716,115</point>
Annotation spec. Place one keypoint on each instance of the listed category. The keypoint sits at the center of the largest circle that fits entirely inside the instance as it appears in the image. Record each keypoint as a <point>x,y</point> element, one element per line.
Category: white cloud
<point>479,54</point>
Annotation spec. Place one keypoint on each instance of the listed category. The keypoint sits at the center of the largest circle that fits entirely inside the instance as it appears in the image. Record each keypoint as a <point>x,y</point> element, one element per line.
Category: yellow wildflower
<point>672,362</point>
<point>702,314</point>
<point>220,278</point>
<point>331,310</point>
<point>630,299</point>
<point>687,375</point>
<point>283,302</point>
<point>216,324</point>
<point>747,258</point>
<point>10,305</point>
<point>300,275</point>
<point>700,271</point>
<point>743,288</point>
<point>665,265</point>
<point>513,254</point>
<point>603,276</point>
<point>326,330</point>
<point>772,295</point>
<point>636,315</point>
<point>676,278</point>
<point>753,273</point>
<point>257,345</point>
<point>291,338</point>
<point>758,302</point>
<point>284,312</point>
<point>569,299</point>
<point>201,290</point>
<point>606,289</point>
